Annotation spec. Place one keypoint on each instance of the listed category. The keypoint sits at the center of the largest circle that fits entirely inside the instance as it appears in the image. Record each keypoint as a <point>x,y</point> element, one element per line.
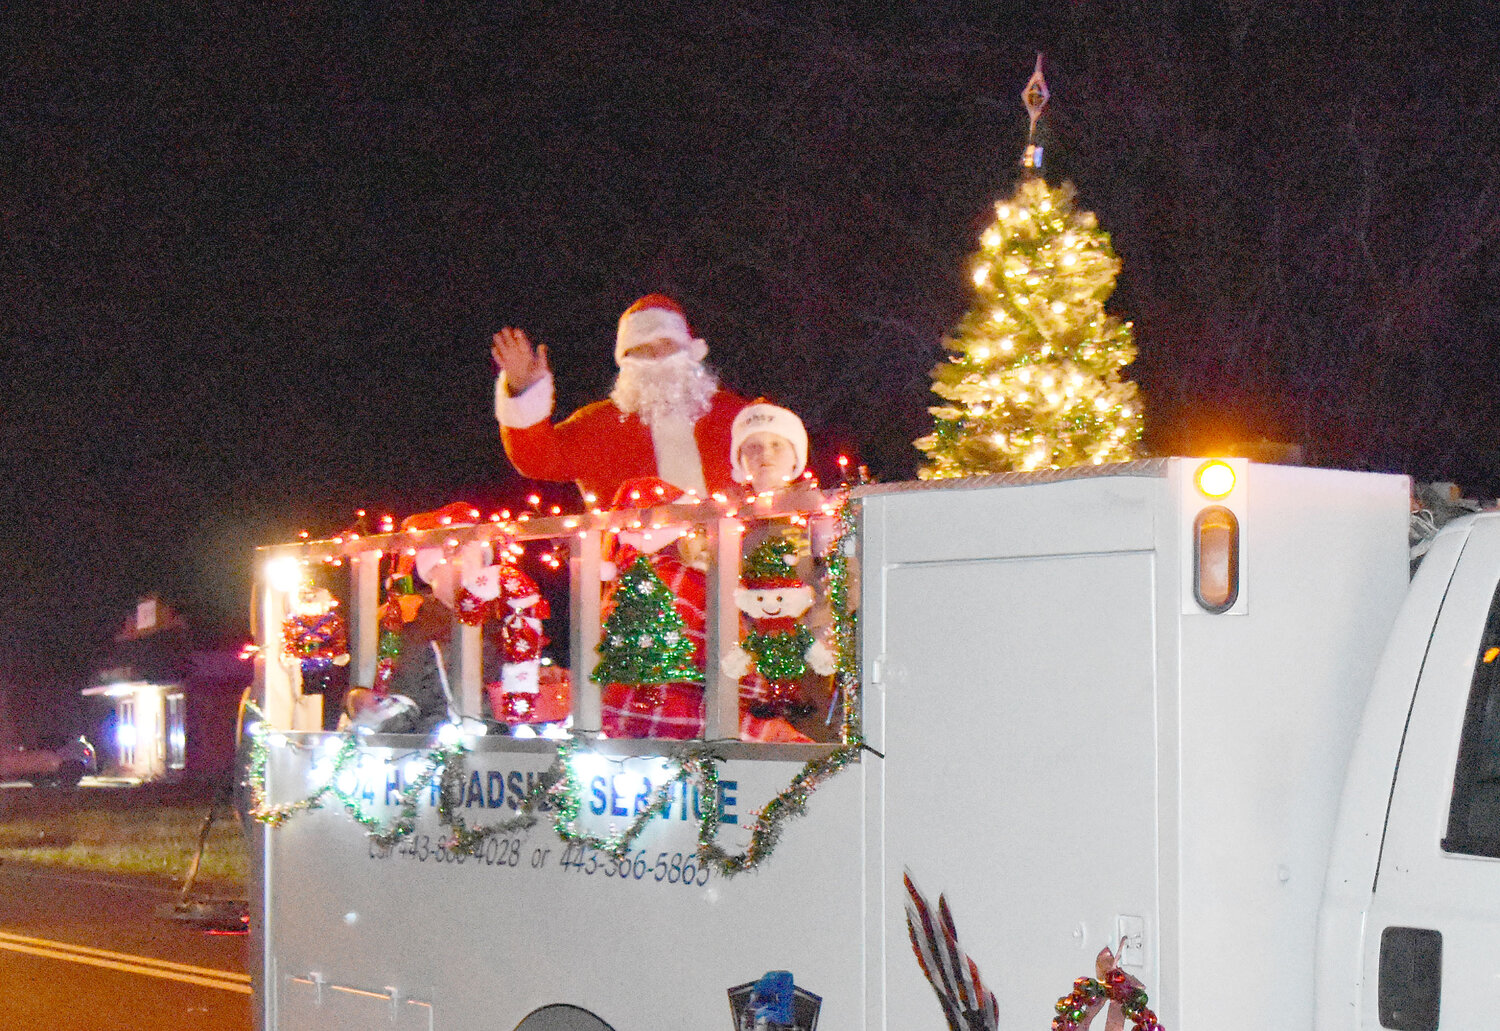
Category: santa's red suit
<point>599,447</point>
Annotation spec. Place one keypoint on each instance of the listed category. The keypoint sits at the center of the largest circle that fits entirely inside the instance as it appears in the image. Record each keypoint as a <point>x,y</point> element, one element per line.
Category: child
<point>412,692</point>
<point>768,447</point>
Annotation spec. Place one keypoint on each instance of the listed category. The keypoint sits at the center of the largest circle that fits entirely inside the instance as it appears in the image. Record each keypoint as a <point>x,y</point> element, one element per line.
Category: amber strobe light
<point>1215,479</point>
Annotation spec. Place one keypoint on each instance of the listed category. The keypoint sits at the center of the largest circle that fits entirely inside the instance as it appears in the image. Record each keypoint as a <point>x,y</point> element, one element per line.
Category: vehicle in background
<point>65,765</point>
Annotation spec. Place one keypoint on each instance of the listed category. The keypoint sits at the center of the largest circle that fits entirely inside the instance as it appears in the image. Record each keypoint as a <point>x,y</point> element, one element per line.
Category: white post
<point>364,616</point>
<point>468,652</point>
<point>282,700</point>
<point>721,694</point>
<point>280,679</point>
<point>583,638</point>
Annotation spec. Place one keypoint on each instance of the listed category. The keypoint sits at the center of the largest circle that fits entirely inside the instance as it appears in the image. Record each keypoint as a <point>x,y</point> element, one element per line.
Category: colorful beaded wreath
<point>316,640</point>
<point>1078,1007</point>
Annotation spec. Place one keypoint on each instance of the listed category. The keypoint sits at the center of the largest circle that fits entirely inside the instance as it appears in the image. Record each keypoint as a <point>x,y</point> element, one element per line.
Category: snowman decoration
<point>778,649</point>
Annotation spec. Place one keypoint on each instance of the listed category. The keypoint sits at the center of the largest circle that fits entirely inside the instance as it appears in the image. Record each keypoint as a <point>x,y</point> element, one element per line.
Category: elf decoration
<point>778,649</point>
<point>314,634</point>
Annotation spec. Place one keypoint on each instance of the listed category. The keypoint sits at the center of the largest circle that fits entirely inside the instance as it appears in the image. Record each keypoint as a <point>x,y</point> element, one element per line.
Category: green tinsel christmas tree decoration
<point>1033,381</point>
<point>645,641</point>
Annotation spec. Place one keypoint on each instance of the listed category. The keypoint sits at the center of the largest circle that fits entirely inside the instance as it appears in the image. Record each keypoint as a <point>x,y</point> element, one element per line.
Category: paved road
<point>92,953</point>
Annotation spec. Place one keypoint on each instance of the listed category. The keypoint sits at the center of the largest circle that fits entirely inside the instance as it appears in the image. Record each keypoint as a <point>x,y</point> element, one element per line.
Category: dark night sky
<point>253,253</point>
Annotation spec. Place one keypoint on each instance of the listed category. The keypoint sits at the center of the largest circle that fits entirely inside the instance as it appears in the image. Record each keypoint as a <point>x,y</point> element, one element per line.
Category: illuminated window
<point>176,732</point>
<point>125,732</point>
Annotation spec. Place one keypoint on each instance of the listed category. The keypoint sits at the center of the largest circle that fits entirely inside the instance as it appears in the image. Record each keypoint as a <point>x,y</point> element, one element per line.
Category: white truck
<point>1210,723</point>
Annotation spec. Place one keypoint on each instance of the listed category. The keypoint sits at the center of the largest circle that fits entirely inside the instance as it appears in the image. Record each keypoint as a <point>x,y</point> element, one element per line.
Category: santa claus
<point>666,417</point>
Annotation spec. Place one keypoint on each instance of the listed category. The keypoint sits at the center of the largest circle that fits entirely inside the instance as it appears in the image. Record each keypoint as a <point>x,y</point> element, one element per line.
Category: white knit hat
<point>656,317</point>
<point>769,418</point>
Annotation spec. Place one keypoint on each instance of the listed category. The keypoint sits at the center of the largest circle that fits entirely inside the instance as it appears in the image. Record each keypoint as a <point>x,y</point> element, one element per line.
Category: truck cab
<point>1410,926</point>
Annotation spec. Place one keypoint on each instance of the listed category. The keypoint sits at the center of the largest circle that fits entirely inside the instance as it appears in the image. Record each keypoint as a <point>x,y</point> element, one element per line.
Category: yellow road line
<point>207,977</point>
<point>89,950</point>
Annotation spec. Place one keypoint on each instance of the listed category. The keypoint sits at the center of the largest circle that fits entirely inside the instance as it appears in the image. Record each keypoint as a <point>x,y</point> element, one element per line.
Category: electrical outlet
<point>1131,933</point>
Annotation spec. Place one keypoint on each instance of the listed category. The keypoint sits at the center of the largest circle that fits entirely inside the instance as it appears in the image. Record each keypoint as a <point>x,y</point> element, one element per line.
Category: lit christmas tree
<point>1034,378</point>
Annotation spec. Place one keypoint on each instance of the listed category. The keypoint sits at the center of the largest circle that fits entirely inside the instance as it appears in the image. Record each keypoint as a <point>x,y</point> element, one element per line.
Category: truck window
<point>1474,815</point>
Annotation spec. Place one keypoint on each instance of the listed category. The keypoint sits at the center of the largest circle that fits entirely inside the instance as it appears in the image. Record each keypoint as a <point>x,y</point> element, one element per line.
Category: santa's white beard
<point>667,389</point>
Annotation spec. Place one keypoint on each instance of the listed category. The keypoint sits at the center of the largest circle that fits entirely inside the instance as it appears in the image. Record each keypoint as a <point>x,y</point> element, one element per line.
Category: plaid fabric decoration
<point>670,711</point>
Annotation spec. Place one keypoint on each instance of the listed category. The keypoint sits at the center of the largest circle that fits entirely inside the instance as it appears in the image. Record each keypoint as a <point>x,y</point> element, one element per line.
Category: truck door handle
<point>1411,978</point>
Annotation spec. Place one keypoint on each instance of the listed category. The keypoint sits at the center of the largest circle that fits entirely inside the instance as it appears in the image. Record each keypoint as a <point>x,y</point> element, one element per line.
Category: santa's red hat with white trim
<point>656,317</point>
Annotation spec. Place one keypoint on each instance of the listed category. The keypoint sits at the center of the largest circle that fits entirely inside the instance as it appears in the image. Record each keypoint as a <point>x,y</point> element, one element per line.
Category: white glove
<point>736,663</point>
<point>820,659</point>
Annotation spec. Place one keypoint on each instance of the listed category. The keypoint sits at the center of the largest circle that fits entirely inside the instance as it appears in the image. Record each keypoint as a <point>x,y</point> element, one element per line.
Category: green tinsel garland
<point>845,624</point>
<point>696,765</point>
<point>470,840</point>
<point>439,761</point>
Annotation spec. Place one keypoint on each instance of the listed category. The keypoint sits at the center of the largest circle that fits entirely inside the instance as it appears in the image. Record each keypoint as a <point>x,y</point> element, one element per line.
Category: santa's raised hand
<point>521,363</point>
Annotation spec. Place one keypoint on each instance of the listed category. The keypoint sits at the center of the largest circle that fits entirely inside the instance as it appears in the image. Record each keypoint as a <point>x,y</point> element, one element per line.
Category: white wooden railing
<point>282,568</point>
